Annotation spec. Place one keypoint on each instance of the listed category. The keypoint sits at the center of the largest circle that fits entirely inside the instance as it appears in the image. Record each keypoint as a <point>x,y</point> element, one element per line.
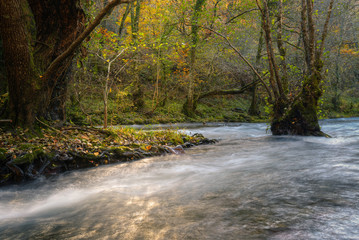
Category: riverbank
<point>26,155</point>
<point>216,109</point>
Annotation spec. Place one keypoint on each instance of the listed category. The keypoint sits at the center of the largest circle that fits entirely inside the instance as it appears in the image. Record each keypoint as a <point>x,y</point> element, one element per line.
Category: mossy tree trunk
<point>253,109</point>
<point>39,42</point>
<point>190,104</point>
<point>58,24</point>
<point>301,117</point>
<point>138,93</point>
<point>3,82</point>
<point>297,116</point>
<point>34,34</point>
<point>23,83</point>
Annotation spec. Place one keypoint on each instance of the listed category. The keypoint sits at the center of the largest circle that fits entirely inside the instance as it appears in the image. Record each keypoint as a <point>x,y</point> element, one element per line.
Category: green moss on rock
<point>120,150</point>
<point>2,154</point>
<point>28,157</point>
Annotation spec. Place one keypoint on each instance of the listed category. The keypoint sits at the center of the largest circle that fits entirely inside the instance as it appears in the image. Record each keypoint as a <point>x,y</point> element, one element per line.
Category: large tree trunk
<point>23,83</point>
<point>301,118</point>
<point>298,117</point>
<point>3,81</point>
<point>39,42</point>
<point>34,34</point>
<point>58,24</point>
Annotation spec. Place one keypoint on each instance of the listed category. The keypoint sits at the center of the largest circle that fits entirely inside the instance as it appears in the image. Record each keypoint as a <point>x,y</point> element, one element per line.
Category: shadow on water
<point>248,186</point>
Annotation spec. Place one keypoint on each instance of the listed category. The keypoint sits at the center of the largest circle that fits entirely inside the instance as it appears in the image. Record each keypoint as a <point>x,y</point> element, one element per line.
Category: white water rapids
<point>250,185</point>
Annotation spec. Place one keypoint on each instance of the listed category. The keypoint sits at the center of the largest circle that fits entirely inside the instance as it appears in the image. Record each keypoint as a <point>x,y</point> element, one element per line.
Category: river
<point>250,185</point>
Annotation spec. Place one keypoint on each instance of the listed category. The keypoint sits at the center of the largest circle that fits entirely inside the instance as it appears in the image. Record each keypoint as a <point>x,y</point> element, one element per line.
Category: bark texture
<point>40,38</point>
<point>58,24</point>
<point>297,117</point>
<point>23,85</point>
<point>190,105</point>
<point>300,117</point>
<point>3,82</point>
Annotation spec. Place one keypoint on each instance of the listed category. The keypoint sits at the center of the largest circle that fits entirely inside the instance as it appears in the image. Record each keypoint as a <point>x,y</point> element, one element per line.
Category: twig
<point>242,13</point>
<point>293,45</point>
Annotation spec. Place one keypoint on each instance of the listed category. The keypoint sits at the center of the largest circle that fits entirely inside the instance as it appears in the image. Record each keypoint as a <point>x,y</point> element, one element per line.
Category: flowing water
<point>250,185</point>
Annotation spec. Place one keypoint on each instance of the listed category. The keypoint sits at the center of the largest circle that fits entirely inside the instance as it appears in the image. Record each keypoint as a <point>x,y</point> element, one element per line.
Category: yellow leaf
<point>96,153</point>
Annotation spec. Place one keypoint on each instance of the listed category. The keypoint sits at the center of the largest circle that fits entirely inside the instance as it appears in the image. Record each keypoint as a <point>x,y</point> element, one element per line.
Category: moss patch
<point>52,151</point>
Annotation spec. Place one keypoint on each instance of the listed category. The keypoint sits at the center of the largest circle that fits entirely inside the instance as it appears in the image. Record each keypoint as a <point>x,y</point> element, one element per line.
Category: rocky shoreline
<point>24,158</point>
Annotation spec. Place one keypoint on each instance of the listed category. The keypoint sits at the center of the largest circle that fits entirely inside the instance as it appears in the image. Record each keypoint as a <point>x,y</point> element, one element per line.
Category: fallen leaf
<point>85,137</point>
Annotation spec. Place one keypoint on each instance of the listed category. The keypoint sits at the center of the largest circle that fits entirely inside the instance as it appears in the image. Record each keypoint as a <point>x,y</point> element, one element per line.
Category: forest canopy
<point>145,61</point>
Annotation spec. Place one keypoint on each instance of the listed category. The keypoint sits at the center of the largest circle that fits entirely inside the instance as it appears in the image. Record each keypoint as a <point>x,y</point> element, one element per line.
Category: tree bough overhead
<point>39,42</point>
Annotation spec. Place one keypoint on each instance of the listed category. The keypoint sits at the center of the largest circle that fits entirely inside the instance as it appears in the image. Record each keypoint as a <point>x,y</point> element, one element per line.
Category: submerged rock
<point>176,150</point>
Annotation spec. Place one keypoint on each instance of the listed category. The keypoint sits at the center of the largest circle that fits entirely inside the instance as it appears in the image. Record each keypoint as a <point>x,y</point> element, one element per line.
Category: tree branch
<point>325,31</point>
<point>228,92</point>
<point>311,33</point>
<point>242,13</point>
<point>244,59</point>
<point>71,49</point>
<point>293,45</point>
